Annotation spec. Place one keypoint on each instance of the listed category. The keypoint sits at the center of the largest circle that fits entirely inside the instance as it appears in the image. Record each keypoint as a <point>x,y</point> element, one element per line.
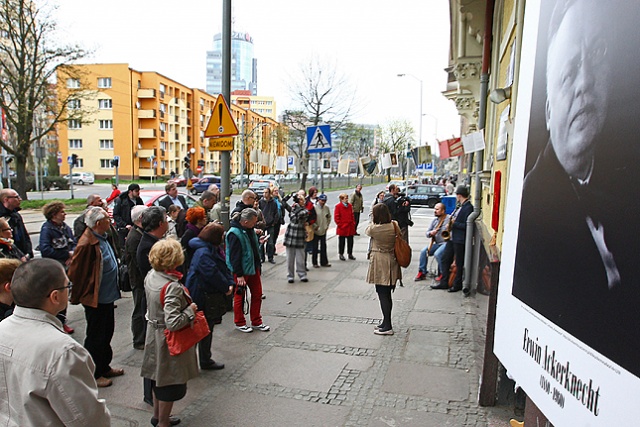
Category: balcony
<point>146,133</point>
<point>146,172</point>
<point>146,153</point>
<point>146,114</point>
<point>146,93</point>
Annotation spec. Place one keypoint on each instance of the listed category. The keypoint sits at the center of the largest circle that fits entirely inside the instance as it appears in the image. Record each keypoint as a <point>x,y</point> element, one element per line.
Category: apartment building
<point>151,122</point>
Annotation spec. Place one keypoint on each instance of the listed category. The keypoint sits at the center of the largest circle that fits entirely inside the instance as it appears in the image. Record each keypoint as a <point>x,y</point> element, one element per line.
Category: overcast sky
<point>371,41</point>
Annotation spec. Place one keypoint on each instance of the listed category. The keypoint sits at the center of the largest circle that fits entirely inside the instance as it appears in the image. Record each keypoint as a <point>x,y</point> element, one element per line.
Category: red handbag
<point>187,337</point>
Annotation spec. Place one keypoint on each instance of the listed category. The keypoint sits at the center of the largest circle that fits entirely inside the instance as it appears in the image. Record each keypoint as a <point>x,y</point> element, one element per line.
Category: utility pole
<point>225,156</point>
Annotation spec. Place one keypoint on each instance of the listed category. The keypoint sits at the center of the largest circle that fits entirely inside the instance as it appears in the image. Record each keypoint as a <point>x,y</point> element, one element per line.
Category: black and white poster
<point>568,319</point>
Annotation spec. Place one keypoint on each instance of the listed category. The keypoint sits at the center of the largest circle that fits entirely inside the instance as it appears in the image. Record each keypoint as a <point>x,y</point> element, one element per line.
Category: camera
<point>240,290</point>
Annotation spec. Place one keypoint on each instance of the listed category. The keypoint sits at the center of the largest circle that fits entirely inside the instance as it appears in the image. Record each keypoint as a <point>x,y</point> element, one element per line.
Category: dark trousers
<point>320,241</point>
<point>204,345</point>
<point>341,240</point>
<point>386,304</point>
<point>270,244</point>
<point>138,322</point>
<point>458,250</point>
<point>100,327</point>
<point>356,217</point>
<point>447,259</point>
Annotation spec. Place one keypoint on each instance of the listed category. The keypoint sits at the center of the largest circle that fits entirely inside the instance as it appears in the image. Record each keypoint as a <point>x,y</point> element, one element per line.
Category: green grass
<point>72,205</point>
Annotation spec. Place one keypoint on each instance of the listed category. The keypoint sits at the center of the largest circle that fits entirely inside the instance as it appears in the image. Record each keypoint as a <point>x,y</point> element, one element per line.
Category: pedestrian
<point>271,214</point>
<point>209,281</point>
<point>172,217</point>
<point>244,262</point>
<point>280,223</point>
<point>207,200</point>
<point>78,225</point>
<point>384,270</point>
<point>309,204</point>
<point>114,193</point>
<point>154,224</point>
<point>9,209</point>
<point>8,249</point>
<point>7,268</point>
<point>437,240</point>
<point>196,220</point>
<point>358,205</point>
<point>323,220</point>
<point>458,239</point>
<point>122,211</point>
<point>57,242</point>
<point>400,208</point>
<point>94,270</point>
<point>168,374</point>
<point>379,199</point>
<point>47,376</point>
<point>345,226</point>
<point>136,280</point>
<point>215,213</point>
<point>172,197</point>
<point>295,239</point>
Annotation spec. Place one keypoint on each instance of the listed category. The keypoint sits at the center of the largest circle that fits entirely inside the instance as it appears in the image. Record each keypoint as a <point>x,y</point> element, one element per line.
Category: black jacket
<point>20,234</point>
<point>142,254</point>
<point>399,212</point>
<point>165,202</point>
<point>269,211</point>
<point>122,210</point>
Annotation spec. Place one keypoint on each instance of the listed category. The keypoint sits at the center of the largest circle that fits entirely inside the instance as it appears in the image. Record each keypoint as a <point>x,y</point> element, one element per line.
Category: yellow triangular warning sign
<point>221,122</point>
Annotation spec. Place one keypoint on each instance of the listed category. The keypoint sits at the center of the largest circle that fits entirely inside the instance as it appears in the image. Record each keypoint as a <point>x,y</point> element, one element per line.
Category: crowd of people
<point>175,260</point>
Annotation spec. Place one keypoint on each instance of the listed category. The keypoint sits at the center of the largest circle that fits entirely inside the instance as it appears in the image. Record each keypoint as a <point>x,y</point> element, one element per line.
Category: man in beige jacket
<point>320,227</point>
<point>48,374</point>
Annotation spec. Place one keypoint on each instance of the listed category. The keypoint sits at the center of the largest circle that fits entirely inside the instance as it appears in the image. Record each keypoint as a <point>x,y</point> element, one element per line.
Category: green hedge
<point>48,182</point>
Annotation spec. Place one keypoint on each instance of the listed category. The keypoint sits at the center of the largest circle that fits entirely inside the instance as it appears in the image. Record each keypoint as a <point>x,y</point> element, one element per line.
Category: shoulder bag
<point>401,248</point>
<point>187,337</point>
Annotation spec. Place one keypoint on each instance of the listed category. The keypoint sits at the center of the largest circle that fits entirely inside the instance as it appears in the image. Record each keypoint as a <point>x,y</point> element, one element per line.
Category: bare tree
<point>29,60</point>
<point>396,136</point>
<point>323,95</point>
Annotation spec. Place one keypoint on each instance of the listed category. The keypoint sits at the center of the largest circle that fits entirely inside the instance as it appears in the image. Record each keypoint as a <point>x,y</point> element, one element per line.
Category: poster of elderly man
<point>569,297</point>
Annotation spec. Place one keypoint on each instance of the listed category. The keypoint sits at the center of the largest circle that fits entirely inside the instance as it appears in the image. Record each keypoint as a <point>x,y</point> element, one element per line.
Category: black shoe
<point>212,366</point>
<point>174,421</point>
<point>304,280</point>
<point>440,286</point>
<point>342,258</point>
<point>272,261</point>
<point>352,257</point>
<point>290,280</point>
<point>455,289</point>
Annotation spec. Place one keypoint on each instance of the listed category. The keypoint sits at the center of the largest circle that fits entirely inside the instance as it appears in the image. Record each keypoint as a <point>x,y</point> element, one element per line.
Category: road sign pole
<point>225,156</point>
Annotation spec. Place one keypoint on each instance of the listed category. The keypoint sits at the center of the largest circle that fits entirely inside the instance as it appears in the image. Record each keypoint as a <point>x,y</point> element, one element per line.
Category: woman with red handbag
<point>169,374</point>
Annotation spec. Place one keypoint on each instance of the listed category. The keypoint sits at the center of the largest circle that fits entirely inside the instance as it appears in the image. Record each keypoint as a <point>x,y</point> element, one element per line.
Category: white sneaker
<point>244,328</point>
<point>383,332</point>
<point>263,327</point>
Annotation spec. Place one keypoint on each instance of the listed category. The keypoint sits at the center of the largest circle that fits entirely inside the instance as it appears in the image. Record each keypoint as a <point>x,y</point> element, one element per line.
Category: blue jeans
<point>433,252</point>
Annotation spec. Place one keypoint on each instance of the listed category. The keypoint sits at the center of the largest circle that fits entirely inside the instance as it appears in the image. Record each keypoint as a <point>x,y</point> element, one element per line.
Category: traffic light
<point>187,162</point>
<point>9,159</point>
<point>201,163</point>
<point>115,162</point>
<point>74,159</point>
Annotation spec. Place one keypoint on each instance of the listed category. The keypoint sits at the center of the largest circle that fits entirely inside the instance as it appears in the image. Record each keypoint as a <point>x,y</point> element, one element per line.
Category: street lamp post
<point>420,123</point>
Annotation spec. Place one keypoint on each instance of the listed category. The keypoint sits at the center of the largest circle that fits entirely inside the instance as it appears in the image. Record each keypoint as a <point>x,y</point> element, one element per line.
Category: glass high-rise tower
<point>243,64</point>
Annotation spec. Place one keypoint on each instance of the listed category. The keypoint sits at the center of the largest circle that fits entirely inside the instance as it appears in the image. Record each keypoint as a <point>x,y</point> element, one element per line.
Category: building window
<point>74,104</point>
<point>163,108</point>
<point>106,144</point>
<point>104,104</point>
<point>104,82</point>
<point>75,143</point>
<point>163,126</point>
<point>73,83</point>
<point>106,124</point>
<point>74,124</point>
<point>105,164</point>
<point>79,163</point>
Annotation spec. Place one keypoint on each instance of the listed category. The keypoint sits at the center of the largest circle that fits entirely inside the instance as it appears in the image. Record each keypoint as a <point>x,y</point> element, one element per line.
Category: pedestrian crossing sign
<point>318,139</point>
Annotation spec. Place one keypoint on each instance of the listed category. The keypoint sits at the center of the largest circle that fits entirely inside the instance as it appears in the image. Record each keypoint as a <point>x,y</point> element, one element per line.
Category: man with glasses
<point>48,374</point>
<point>9,209</point>
<point>94,270</point>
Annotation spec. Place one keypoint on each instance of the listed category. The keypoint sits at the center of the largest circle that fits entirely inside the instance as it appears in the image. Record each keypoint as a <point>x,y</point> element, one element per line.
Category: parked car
<point>181,181</point>
<point>236,179</point>
<point>152,198</point>
<point>424,194</point>
<point>204,183</point>
<point>82,178</point>
<point>259,185</point>
<point>402,185</point>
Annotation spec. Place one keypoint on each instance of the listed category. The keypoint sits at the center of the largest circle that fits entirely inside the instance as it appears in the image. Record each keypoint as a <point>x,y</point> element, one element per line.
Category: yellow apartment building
<point>263,105</point>
<point>153,124</point>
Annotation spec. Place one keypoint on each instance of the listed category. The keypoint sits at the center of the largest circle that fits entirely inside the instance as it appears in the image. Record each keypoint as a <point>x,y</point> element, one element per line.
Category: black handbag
<point>215,305</point>
<point>123,278</point>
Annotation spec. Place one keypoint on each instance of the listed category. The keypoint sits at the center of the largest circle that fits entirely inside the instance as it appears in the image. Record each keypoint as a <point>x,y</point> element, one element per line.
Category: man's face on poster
<point>577,89</point>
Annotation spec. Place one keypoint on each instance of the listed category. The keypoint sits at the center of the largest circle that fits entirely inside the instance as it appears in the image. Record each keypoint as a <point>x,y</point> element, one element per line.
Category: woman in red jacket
<point>346,225</point>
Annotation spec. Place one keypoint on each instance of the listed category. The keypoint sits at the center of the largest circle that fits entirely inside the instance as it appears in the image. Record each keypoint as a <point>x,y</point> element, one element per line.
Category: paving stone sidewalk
<point>321,364</point>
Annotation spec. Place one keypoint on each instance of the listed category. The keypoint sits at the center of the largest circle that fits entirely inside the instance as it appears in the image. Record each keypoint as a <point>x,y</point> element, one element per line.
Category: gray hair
<point>136,212</point>
<point>91,198</point>
<point>247,193</point>
<point>206,195</point>
<point>248,214</point>
<point>93,215</point>
<point>153,218</point>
